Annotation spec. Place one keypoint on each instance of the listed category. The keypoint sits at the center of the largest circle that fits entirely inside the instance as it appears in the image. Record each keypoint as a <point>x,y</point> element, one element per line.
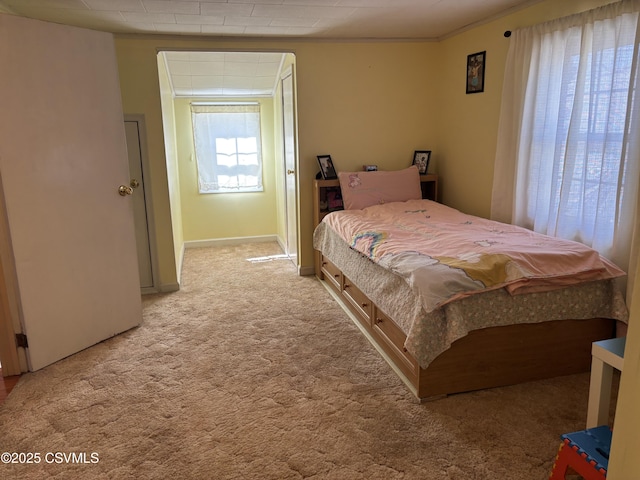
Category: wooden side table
<point>605,356</point>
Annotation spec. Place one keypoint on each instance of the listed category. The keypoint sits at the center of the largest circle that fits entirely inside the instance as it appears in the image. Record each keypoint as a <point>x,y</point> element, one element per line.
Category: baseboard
<point>217,242</point>
<point>306,271</point>
<point>169,287</point>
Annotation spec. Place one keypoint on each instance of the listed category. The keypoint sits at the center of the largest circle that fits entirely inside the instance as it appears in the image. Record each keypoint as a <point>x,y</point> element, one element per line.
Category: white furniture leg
<point>599,393</point>
<point>605,356</point>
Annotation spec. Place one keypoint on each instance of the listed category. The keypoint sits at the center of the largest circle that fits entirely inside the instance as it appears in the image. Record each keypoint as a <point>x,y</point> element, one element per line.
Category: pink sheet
<point>445,254</point>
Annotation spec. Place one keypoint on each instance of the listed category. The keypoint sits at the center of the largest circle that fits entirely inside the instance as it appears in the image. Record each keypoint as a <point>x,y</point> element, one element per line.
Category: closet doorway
<point>142,205</point>
<point>231,78</point>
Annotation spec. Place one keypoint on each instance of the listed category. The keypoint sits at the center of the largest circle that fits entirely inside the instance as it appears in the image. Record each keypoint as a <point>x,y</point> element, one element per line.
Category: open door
<point>289,134</point>
<point>62,160</point>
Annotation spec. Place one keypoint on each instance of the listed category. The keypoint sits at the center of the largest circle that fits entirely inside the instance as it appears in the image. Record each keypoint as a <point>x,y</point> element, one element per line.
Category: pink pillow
<point>363,189</point>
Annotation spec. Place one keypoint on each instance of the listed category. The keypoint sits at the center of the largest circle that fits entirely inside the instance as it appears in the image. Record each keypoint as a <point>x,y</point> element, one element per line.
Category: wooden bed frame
<point>485,358</point>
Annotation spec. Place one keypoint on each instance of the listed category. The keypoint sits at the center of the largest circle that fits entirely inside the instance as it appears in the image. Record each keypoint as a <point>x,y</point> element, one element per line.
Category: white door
<point>288,112</point>
<point>62,158</point>
<point>143,246</point>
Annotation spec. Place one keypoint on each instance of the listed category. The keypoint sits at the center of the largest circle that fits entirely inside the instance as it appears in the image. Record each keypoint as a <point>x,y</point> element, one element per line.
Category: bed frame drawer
<point>332,274</point>
<point>394,338</point>
<point>361,304</point>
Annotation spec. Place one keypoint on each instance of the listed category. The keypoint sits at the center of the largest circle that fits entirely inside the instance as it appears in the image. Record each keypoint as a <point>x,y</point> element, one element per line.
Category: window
<point>576,160</point>
<point>228,147</point>
<point>570,119</point>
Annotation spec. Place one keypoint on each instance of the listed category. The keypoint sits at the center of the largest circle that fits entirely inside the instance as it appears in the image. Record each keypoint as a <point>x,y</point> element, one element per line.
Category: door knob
<point>125,190</point>
<point>290,172</point>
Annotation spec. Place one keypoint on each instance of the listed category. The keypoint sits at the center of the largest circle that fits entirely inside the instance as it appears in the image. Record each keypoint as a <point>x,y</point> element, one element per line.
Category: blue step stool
<point>586,452</point>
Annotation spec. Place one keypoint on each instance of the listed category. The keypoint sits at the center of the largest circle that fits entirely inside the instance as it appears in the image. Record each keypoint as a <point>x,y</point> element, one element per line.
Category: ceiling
<point>223,74</point>
<point>193,74</point>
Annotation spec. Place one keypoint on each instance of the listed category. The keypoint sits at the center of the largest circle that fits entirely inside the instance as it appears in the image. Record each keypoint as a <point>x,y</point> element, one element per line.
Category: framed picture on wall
<point>475,72</point>
<point>326,167</point>
<point>421,160</point>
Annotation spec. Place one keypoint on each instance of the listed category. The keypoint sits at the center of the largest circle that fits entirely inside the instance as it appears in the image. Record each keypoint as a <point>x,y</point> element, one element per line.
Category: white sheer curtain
<point>568,155</point>
<point>228,147</point>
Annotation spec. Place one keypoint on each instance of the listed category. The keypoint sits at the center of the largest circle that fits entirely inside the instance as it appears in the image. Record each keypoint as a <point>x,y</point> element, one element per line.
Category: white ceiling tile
<point>175,55</point>
<point>116,5</point>
<point>238,81</point>
<point>200,19</point>
<point>179,67</point>
<point>262,83</point>
<point>49,4</point>
<point>284,11</point>
<point>226,9</point>
<point>171,6</point>
<point>243,57</point>
<point>240,69</point>
<point>213,81</point>
<point>149,17</point>
<point>267,69</point>
<point>207,68</point>
<point>269,57</point>
<point>203,56</point>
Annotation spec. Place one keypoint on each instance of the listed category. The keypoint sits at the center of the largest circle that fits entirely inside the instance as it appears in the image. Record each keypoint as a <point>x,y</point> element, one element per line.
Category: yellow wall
<point>170,270</point>
<point>225,215</point>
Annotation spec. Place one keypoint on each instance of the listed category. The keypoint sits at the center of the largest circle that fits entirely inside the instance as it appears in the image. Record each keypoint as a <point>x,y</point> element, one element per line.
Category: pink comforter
<point>445,254</point>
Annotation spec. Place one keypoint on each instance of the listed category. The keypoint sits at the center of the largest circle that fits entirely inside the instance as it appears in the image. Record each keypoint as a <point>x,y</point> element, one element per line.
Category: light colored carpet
<point>252,372</point>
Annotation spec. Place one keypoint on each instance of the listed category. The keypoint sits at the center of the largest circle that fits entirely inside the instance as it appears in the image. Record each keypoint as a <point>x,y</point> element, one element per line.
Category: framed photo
<point>369,168</point>
<point>421,159</point>
<point>475,72</point>
<point>326,167</point>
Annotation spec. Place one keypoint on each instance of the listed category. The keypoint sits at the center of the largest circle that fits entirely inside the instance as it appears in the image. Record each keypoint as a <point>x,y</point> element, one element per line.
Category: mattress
<point>431,331</point>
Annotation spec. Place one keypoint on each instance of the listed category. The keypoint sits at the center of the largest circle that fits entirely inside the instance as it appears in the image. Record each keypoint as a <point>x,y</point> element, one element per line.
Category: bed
<point>457,303</point>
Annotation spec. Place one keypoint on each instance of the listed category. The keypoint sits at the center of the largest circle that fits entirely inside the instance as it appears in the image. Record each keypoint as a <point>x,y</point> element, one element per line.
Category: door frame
<point>12,357</point>
<point>148,199</point>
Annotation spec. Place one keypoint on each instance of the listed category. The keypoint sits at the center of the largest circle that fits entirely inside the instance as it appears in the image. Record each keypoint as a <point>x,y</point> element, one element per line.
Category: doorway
<point>135,131</point>
<point>223,77</point>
